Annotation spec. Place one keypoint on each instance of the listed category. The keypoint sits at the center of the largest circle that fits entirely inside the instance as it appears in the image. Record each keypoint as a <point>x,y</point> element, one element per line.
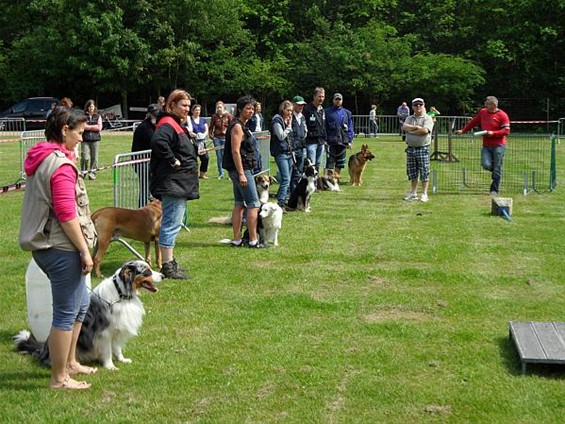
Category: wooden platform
<point>539,342</point>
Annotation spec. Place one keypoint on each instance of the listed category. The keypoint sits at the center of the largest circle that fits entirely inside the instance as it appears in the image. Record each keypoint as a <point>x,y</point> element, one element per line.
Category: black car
<point>34,110</point>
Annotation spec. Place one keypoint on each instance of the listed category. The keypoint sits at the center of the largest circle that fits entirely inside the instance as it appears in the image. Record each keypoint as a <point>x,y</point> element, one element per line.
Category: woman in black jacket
<point>174,175</point>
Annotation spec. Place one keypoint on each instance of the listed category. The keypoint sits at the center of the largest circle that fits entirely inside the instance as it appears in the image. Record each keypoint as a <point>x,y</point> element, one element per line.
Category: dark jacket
<point>170,142</point>
<point>142,136</point>
<point>339,126</point>
<point>298,134</point>
<point>278,145</point>
<point>316,124</point>
<point>246,150</point>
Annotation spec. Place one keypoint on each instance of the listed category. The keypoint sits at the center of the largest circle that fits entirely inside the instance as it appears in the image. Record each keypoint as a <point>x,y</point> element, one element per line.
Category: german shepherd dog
<point>139,224</point>
<point>357,163</point>
<point>300,197</point>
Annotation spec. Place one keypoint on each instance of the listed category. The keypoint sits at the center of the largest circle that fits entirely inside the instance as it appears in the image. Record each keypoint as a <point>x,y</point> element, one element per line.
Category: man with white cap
<point>418,128</point>
<point>339,131</point>
<point>298,141</point>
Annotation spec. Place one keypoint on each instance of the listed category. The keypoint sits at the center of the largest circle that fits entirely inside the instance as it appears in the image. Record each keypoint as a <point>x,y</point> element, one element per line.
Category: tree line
<point>452,52</point>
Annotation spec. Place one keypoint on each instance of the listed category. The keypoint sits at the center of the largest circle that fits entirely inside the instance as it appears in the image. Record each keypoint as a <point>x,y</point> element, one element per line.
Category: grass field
<point>372,310</point>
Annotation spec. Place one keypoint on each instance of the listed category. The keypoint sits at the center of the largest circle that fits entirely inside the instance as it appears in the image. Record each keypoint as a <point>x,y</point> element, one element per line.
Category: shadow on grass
<point>511,361</point>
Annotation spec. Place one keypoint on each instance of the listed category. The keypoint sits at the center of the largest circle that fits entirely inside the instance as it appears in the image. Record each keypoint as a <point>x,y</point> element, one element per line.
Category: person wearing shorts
<point>240,160</point>
<point>418,128</point>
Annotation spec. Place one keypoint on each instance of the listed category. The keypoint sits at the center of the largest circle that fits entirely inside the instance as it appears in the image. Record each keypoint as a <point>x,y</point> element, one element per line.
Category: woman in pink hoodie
<point>56,227</point>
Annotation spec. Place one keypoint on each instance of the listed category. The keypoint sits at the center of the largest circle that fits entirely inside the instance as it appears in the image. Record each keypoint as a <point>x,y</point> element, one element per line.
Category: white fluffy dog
<point>270,223</point>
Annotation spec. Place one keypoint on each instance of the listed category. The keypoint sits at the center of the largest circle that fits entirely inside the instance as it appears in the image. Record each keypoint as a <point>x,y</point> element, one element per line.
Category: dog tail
<point>221,220</point>
<point>26,343</point>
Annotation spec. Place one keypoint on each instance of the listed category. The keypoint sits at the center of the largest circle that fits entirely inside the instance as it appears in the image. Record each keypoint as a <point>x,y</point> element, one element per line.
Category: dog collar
<point>117,286</point>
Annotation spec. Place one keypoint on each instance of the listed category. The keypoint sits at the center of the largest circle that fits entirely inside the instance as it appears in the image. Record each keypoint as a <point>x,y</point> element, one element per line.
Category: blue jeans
<point>315,153</point>
<point>68,287</point>
<point>491,160</point>
<point>174,209</point>
<point>284,165</point>
<point>220,142</point>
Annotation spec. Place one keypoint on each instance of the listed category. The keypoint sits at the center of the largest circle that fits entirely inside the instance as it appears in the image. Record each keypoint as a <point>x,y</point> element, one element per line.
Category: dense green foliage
<point>372,50</point>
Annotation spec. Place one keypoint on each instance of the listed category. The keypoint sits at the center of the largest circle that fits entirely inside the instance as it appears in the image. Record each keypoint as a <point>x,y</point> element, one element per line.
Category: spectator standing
<point>174,175</point>
<point>281,149</point>
<point>315,117</point>
<point>496,123</point>
<point>218,126</point>
<point>434,113</point>
<point>373,121</point>
<point>90,140</point>
<point>402,112</point>
<point>240,160</point>
<point>339,133</point>
<point>142,141</point>
<point>199,129</point>
<point>418,128</point>
<point>255,124</point>
<point>161,102</point>
<point>56,227</point>
<point>298,144</point>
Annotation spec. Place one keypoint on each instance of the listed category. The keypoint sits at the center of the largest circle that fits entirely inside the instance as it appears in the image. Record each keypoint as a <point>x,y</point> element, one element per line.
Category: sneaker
<point>234,243</point>
<point>424,197</point>
<point>220,177</point>
<point>494,193</point>
<point>257,245</point>
<point>411,196</point>
<point>170,270</point>
<point>91,176</point>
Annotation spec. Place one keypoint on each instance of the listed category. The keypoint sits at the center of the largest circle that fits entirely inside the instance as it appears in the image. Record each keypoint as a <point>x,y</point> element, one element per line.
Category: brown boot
<point>203,176</point>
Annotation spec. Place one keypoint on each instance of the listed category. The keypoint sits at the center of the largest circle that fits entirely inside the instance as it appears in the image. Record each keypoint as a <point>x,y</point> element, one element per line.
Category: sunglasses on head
<point>418,104</point>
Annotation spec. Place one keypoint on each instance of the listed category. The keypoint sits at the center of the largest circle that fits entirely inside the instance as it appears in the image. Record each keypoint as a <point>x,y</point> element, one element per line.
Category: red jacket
<point>497,122</point>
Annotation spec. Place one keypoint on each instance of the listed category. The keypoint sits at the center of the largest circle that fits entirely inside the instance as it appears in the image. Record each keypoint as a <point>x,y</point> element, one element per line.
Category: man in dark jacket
<point>339,133</point>
<point>315,117</point>
<point>141,142</point>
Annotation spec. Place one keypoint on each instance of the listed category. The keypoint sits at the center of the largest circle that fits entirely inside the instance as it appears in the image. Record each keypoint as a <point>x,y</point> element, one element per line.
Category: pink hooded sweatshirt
<point>63,180</point>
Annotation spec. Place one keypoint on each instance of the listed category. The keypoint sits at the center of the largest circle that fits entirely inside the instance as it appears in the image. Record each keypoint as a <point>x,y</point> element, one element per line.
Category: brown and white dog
<point>114,316</point>
<point>263,183</point>
<point>357,163</point>
<point>329,181</point>
<point>139,224</point>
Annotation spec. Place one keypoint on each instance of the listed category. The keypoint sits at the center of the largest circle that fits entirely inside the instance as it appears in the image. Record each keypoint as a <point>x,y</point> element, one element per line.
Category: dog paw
<point>110,366</point>
<point>126,360</point>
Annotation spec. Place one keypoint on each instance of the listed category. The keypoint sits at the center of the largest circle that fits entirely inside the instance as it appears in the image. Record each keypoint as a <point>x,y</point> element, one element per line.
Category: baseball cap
<point>152,109</point>
<point>418,100</point>
<point>338,96</point>
<point>299,100</point>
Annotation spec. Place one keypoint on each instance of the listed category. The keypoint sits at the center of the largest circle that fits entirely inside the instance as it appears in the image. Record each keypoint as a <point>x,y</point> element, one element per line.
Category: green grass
<point>372,310</point>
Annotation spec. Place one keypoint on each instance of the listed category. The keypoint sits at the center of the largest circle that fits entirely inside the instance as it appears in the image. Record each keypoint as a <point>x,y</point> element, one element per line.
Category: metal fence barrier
<point>529,164</point>
<point>12,126</point>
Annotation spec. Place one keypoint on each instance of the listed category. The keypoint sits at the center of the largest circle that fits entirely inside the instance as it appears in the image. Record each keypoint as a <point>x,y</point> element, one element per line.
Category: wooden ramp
<point>539,342</point>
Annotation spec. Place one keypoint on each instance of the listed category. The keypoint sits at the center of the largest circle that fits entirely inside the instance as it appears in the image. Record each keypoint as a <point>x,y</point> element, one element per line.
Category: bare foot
<point>70,384</point>
<point>81,369</point>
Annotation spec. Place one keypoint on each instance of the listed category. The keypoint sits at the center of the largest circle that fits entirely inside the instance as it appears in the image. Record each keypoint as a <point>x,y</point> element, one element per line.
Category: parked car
<point>34,110</point>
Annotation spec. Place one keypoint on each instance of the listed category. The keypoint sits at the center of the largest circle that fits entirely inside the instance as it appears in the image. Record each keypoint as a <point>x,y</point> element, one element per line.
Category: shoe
<point>220,177</point>
<point>494,193</point>
<point>170,270</point>
<point>91,176</point>
<point>411,196</point>
<point>424,197</point>
<point>203,176</point>
<point>234,244</point>
<point>177,266</point>
<point>257,245</point>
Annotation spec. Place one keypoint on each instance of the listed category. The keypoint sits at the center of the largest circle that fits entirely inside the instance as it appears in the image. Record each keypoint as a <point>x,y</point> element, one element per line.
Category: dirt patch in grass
<point>396,312</point>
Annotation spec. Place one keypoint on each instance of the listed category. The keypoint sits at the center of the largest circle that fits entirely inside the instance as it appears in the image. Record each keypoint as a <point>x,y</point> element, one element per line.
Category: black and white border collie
<point>300,197</point>
<point>114,316</point>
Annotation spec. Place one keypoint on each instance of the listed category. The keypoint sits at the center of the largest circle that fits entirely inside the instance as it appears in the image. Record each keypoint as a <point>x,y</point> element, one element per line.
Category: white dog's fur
<point>271,222</point>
